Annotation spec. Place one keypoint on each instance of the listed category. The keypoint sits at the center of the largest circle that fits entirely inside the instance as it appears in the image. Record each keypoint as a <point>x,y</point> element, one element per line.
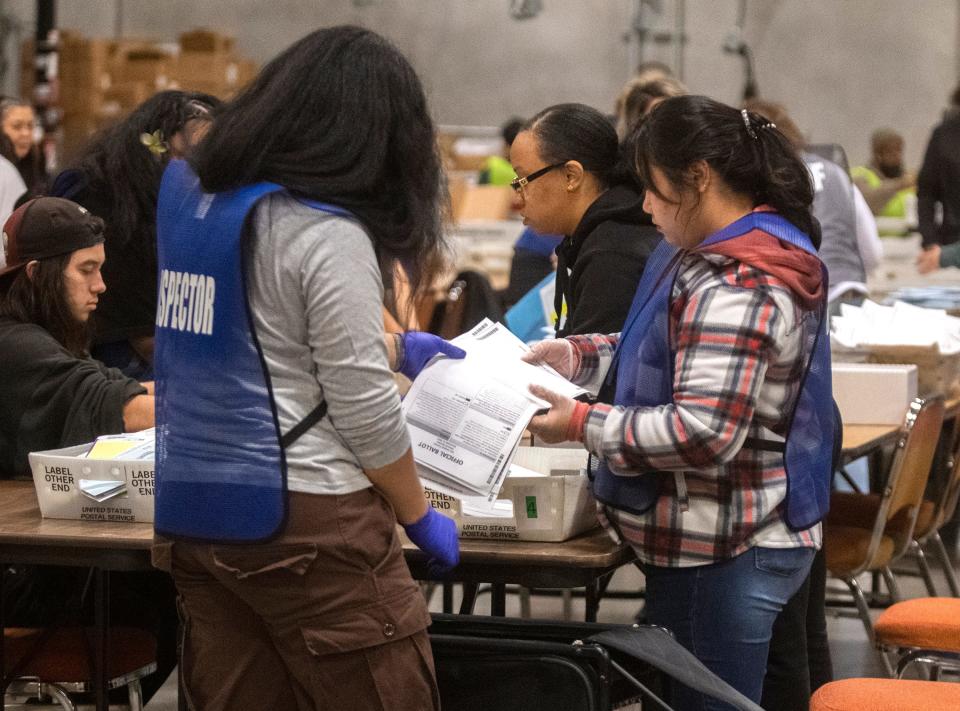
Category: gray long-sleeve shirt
<point>315,291</point>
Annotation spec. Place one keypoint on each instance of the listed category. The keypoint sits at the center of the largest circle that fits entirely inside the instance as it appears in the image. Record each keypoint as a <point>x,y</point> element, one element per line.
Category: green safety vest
<point>895,207</point>
<point>498,171</point>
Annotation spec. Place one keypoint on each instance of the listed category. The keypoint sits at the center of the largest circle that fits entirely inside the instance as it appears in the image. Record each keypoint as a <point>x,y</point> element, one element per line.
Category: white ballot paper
<point>466,417</point>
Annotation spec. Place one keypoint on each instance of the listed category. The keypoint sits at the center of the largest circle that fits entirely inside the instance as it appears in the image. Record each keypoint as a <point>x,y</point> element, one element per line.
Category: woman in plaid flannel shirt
<point>719,556</point>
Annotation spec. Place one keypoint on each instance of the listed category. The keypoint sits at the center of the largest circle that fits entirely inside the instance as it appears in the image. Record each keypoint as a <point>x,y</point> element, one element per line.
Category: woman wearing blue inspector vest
<point>283,460</point>
<point>714,461</point>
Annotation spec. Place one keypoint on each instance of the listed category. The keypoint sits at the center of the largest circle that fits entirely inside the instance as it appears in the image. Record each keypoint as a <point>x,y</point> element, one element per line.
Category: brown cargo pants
<point>326,616</point>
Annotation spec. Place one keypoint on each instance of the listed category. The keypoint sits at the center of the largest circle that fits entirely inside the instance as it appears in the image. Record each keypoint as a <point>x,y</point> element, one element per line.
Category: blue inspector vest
<point>220,471</point>
<point>643,364</point>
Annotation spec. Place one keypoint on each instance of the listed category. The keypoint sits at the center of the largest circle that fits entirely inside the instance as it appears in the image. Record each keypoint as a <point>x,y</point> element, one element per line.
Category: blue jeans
<point>724,613</point>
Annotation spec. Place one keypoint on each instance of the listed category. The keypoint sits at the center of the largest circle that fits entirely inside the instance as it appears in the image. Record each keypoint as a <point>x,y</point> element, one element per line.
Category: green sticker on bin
<point>531,507</point>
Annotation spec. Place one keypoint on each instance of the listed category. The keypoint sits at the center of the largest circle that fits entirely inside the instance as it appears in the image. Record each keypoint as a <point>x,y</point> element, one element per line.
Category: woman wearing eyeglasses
<point>571,182</point>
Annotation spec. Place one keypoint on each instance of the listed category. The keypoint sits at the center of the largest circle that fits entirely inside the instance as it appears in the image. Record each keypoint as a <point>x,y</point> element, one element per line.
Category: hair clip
<point>746,122</point>
<point>154,142</point>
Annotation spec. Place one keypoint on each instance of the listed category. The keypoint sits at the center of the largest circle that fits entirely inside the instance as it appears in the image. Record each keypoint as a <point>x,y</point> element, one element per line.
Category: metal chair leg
<point>845,475</point>
<point>60,696</point>
<point>890,579</point>
<point>863,609</point>
<point>924,566</point>
<point>941,552</point>
<point>524,602</point>
<point>567,596</point>
<point>135,695</point>
<point>864,612</point>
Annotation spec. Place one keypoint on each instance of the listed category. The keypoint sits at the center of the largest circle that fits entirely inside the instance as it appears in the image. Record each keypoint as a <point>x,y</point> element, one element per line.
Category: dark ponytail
<point>747,151</point>
<point>581,133</point>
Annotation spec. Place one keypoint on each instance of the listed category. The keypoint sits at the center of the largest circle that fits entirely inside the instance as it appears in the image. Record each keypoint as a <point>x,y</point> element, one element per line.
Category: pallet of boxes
<point>102,80</point>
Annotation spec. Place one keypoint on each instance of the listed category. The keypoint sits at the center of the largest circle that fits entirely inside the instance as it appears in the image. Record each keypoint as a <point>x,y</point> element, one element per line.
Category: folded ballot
<point>101,490</point>
<point>466,416</point>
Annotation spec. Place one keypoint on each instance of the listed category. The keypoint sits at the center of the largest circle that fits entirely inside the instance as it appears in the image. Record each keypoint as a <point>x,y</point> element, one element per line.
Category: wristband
<point>577,421</point>
<point>400,353</point>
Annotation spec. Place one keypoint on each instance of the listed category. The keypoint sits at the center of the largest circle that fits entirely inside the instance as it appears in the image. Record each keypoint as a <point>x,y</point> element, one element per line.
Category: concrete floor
<point>852,655</point>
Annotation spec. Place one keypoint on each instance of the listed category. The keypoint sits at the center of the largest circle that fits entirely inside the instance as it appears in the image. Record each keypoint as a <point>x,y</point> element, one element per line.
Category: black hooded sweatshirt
<point>600,264</point>
<point>49,398</point>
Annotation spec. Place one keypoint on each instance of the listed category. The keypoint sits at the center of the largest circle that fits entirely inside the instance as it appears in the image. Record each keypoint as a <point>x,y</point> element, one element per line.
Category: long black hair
<point>340,116</point>
<point>581,133</point>
<point>118,164</point>
<point>42,300</point>
<point>747,151</point>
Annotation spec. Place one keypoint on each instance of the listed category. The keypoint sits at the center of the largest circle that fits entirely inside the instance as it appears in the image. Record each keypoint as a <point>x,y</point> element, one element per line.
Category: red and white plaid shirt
<point>737,339</point>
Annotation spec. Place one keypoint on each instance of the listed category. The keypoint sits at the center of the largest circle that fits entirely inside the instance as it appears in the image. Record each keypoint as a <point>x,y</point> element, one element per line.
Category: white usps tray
<point>554,505</point>
<point>71,486</point>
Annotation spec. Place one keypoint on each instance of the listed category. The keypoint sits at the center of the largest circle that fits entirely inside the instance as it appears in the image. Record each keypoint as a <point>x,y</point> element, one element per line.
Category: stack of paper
<point>130,445</point>
<point>929,297</point>
<point>899,324</point>
<point>466,417</point>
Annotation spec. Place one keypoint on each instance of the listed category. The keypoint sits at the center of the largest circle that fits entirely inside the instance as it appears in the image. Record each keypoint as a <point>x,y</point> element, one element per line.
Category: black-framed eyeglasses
<point>518,183</point>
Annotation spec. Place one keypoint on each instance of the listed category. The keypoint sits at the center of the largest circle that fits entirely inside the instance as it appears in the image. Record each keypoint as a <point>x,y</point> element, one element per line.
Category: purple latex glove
<point>436,535</point>
<point>416,348</point>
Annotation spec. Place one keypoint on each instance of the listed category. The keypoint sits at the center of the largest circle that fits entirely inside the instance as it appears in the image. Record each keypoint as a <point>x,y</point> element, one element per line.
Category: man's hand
<point>908,180</point>
<point>929,259</point>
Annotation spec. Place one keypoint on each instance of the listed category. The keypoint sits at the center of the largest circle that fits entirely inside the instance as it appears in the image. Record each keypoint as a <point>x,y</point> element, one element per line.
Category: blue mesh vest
<point>220,470</point>
<point>643,365</point>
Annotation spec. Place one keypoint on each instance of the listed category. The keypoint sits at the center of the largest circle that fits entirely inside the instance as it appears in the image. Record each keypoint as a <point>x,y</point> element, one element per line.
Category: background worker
<point>53,394</point>
<point>886,185</point>
<point>938,186</point>
<point>572,182</point>
<point>18,144</point>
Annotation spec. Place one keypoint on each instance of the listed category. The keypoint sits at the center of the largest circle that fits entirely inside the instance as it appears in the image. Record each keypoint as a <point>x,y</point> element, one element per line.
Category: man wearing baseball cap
<point>49,288</point>
<point>53,394</point>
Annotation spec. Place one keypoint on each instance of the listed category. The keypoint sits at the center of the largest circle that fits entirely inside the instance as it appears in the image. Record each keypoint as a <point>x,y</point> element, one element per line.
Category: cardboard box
<point>77,130</point>
<point>57,474</point>
<point>873,393</point>
<point>149,64</point>
<point>122,98</point>
<point>484,202</point>
<point>204,40</point>
<point>218,73</point>
<point>937,373</point>
<point>553,507</point>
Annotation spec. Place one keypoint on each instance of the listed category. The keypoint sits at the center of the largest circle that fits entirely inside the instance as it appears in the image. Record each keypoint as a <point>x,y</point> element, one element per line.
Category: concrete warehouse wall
<point>843,67</point>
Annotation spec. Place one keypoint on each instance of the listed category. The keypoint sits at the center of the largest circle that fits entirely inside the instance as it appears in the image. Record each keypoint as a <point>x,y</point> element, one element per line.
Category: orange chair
<point>56,662</point>
<point>886,695</point>
<point>924,630</point>
<point>865,535</point>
